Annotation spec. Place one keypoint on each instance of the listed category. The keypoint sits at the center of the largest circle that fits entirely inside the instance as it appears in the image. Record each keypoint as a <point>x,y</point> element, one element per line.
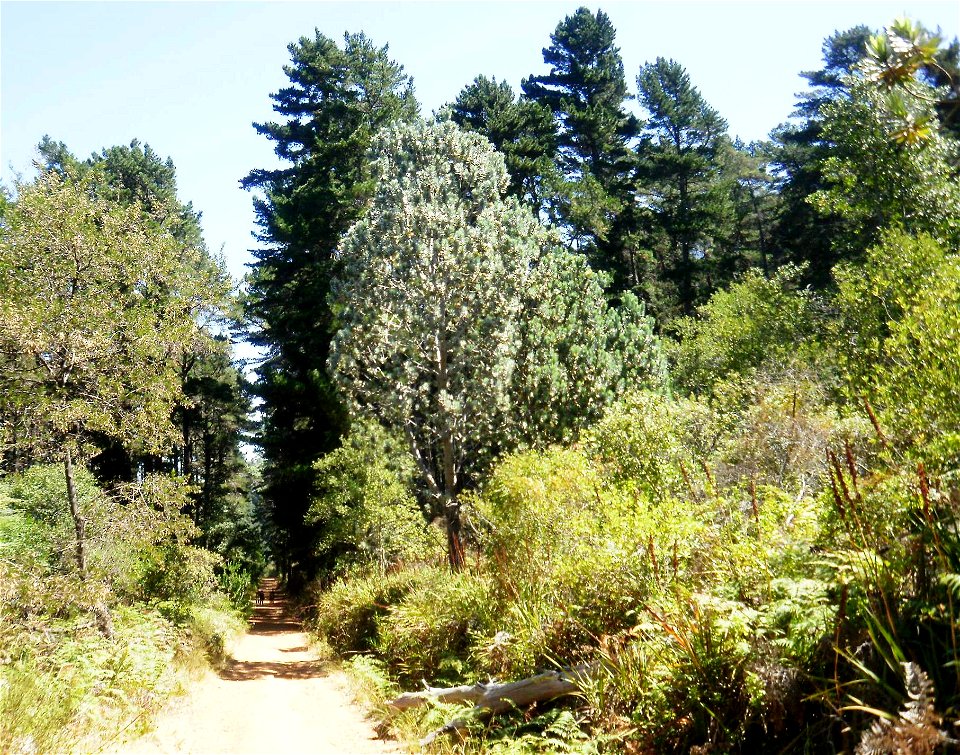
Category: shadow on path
<point>273,615</point>
<point>270,618</point>
<point>243,671</point>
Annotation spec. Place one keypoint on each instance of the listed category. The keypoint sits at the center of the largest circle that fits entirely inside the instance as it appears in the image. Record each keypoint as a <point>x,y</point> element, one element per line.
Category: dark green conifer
<point>586,90</point>
<point>337,99</point>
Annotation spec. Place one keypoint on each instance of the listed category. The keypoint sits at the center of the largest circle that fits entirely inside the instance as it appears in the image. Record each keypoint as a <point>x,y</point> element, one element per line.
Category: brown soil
<point>273,696</point>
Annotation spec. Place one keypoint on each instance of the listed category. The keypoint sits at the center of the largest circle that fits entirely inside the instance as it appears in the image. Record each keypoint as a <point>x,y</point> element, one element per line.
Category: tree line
<point>644,211</point>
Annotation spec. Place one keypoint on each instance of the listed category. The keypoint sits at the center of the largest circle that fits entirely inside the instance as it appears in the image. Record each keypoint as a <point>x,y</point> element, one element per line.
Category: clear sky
<point>189,78</point>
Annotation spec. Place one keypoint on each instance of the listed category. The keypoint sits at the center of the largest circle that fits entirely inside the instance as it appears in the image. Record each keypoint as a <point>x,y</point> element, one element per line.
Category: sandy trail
<point>274,696</point>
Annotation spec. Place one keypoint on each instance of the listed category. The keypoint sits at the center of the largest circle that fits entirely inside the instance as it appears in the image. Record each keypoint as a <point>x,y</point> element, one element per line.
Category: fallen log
<point>494,697</point>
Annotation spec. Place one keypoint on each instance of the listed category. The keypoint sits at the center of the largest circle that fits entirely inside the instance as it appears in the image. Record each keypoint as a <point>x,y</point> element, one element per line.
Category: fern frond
<point>915,730</point>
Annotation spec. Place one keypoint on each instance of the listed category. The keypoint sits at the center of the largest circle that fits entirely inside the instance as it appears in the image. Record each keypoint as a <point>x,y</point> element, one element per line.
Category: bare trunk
<point>494,697</point>
<point>451,508</point>
<point>79,523</point>
<point>454,541</point>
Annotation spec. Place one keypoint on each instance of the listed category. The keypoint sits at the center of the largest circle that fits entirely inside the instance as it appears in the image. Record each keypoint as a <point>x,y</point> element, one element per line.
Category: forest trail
<point>273,696</point>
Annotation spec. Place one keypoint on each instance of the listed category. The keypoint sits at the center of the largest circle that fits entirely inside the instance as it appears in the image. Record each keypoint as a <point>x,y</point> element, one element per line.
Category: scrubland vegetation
<point>547,385</point>
<point>87,660</point>
<point>128,540</point>
<point>760,566</point>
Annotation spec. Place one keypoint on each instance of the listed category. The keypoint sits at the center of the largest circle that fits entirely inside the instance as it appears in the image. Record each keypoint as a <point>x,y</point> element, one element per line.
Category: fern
<point>565,731</point>
<point>915,730</point>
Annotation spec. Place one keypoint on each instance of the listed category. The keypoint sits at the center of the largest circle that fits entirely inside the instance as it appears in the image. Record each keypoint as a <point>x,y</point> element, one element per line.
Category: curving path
<point>273,696</point>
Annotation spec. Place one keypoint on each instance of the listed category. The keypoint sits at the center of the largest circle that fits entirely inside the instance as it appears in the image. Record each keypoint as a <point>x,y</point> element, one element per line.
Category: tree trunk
<point>79,523</point>
<point>494,697</point>
<point>451,508</point>
<point>761,236</point>
<point>451,513</point>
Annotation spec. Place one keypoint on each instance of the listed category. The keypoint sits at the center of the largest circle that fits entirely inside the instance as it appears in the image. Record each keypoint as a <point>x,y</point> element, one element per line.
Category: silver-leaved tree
<point>462,323</point>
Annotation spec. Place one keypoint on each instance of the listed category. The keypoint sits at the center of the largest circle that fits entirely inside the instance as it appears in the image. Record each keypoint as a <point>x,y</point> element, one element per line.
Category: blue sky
<point>189,78</point>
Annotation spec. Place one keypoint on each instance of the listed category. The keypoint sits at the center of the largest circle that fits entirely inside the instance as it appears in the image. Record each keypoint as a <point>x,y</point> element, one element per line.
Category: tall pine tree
<point>338,98</point>
<point>802,235</point>
<point>586,90</point>
<point>681,154</point>
<point>522,130</point>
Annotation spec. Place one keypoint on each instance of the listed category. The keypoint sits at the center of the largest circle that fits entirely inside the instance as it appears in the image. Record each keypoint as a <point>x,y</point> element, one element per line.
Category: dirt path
<point>274,696</point>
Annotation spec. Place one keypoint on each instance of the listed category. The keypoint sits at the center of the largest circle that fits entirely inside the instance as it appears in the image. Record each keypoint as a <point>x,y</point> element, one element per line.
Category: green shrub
<point>755,322</point>
<point>84,658</point>
<point>799,619</point>
<point>40,494</point>
<point>709,696</point>
<point>755,536</point>
<point>654,445</point>
<point>211,626</point>
<point>572,555</point>
<point>34,715</point>
<point>177,577</point>
<point>237,583</point>
<point>365,508</point>
<point>428,633</point>
<point>346,614</point>
<point>896,342</point>
<point>536,510</point>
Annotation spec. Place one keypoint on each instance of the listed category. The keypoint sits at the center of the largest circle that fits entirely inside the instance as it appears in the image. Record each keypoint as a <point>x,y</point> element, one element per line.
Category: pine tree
<point>586,90</point>
<point>846,172</point>
<point>687,191</point>
<point>462,327</point>
<point>337,99</point>
<point>801,235</point>
<point>522,130</point>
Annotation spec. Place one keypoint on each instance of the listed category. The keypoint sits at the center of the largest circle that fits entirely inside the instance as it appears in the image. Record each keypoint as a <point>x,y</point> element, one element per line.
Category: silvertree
<point>441,282</point>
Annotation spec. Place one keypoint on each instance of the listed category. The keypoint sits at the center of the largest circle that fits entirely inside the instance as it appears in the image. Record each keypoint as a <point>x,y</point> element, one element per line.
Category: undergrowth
<point>770,566</point>
<point>85,661</point>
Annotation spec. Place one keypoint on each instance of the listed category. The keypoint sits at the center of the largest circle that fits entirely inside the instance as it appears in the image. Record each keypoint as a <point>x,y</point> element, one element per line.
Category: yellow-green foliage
<point>757,321</point>
<point>428,634</point>
<point>712,560</point>
<point>574,555</point>
<point>135,539</point>
<point>897,342</point>
<point>70,682</point>
<point>652,444</point>
<point>347,613</point>
<point>364,505</point>
<point>88,658</point>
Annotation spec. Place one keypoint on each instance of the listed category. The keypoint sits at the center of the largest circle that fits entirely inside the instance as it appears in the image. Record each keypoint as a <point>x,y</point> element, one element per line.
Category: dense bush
<point>347,613</point>
<point>365,507</point>
<point>896,343</point>
<point>71,682</point>
<point>428,634</point>
<point>755,322</point>
<point>87,656</point>
<point>691,552</point>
